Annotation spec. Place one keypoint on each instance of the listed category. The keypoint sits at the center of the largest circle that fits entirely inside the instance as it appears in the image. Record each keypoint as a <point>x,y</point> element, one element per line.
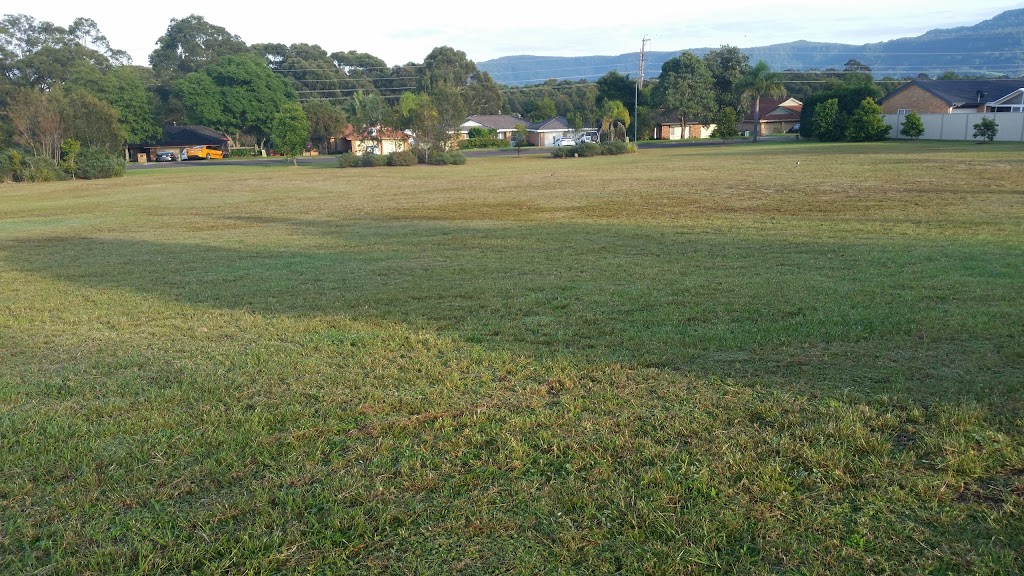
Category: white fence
<point>961,126</point>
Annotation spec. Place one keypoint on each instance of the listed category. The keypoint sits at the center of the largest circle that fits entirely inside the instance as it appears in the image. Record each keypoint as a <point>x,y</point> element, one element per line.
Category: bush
<point>10,165</point>
<point>244,152</point>
<point>480,132</point>
<point>368,160</point>
<point>587,150</point>
<point>401,159</point>
<point>348,160</point>
<point>615,148</point>
<point>93,163</point>
<point>564,151</point>
<point>473,143</point>
<point>986,129</point>
<point>39,169</point>
<point>444,158</point>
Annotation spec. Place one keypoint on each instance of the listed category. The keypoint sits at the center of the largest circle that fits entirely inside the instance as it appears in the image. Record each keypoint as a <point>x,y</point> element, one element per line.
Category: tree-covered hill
<point>993,47</point>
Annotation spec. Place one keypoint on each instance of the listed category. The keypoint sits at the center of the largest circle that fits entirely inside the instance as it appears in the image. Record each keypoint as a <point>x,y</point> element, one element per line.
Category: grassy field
<point>694,360</point>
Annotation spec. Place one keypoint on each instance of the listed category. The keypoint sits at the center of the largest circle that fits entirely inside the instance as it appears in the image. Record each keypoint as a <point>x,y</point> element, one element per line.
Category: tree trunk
<point>757,116</point>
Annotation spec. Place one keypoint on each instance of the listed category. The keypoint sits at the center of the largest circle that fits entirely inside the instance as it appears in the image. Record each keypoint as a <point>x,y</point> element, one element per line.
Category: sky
<point>402,31</point>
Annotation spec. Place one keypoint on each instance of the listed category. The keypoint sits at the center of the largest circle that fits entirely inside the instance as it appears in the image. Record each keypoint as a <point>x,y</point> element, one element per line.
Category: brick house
<point>950,96</point>
<point>355,142</point>
<point>669,126</point>
<point>777,116</point>
<point>503,124</point>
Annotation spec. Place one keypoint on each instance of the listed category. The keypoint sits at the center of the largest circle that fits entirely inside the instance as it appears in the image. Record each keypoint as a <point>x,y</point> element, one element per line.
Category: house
<point>545,133</point>
<point>503,124</point>
<point>954,97</point>
<point>778,115</point>
<point>1012,102</point>
<point>374,141</point>
<point>669,126</point>
<point>175,138</point>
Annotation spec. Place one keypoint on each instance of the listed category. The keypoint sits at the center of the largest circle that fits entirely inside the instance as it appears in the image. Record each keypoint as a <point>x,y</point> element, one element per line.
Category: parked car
<point>204,152</point>
<point>564,142</point>
<point>166,157</point>
<point>587,138</point>
<point>794,129</point>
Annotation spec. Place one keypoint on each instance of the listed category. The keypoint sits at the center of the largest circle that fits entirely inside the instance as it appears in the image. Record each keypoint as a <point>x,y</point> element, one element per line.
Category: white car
<point>564,142</point>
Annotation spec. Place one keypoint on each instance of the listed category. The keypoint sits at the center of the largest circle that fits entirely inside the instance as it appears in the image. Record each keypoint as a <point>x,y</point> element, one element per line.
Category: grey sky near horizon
<point>401,31</point>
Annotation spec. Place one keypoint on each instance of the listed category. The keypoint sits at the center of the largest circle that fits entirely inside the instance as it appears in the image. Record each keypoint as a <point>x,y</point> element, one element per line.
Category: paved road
<point>330,159</point>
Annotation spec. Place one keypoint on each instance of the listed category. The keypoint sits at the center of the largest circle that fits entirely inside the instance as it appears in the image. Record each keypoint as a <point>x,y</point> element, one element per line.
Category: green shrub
<point>564,151</point>
<point>401,159</point>
<point>39,169</point>
<point>473,143</point>
<point>445,158</point>
<point>348,160</point>
<point>93,163</point>
<point>10,165</point>
<point>480,132</point>
<point>587,150</point>
<point>368,160</point>
<point>614,148</point>
<point>243,153</point>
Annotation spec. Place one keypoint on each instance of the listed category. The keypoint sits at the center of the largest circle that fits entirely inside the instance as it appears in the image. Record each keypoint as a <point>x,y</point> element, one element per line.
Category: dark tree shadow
<point>877,318</point>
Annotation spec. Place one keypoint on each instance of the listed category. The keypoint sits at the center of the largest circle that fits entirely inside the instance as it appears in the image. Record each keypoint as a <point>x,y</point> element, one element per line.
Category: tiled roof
<point>497,121</point>
<point>791,111</point>
<point>351,133</point>
<point>558,123</point>
<point>957,93</point>
<point>192,135</point>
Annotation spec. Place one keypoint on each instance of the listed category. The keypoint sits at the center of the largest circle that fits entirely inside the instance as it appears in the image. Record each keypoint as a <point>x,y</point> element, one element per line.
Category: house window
<point>903,111</point>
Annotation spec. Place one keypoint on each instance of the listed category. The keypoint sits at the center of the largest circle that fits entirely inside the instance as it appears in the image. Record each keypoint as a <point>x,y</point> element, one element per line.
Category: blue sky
<point>402,31</point>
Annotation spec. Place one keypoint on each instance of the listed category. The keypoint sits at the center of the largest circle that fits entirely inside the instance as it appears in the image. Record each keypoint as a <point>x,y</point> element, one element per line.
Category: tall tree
<point>828,121</point>
<point>867,124</point>
<point>93,122</point>
<point>615,86</point>
<point>371,114</point>
<point>290,130</point>
<point>37,120</point>
<point>129,89</point>
<point>760,82</point>
<point>728,65</point>
<point>451,111</point>
<point>191,43</point>
<point>43,55</point>
<point>542,109</point>
<point>445,66</point>
<point>614,114</point>
<point>483,95</point>
<point>237,94</point>
<point>685,87</point>
<point>326,121</point>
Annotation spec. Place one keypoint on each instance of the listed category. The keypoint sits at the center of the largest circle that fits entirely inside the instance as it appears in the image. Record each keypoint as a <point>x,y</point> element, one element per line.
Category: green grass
<point>694,360</point>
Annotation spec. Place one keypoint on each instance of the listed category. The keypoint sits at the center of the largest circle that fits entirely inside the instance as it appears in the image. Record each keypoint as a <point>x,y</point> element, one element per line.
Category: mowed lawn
<point>706,360</point>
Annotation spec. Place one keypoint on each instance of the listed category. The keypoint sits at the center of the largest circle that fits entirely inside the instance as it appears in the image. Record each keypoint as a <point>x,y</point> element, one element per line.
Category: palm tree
<point>761,81</point>
<point>614,112</point>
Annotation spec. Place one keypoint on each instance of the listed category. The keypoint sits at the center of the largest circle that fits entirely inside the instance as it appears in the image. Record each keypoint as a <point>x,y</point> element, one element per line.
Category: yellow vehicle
<point>204,153</point>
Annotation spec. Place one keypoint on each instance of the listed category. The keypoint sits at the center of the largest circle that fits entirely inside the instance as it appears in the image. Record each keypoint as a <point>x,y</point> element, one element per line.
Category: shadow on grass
<point>899,318</point>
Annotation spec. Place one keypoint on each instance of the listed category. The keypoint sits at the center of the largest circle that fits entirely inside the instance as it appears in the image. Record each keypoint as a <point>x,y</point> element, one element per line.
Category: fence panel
<point>961,126</point>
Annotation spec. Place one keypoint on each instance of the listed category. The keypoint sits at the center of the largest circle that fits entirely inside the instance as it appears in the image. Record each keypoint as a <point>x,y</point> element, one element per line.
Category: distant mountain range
<point>993,47</point>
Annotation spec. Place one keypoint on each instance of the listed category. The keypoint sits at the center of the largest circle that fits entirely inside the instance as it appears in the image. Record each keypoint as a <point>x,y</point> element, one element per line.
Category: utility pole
<point>639,84</point>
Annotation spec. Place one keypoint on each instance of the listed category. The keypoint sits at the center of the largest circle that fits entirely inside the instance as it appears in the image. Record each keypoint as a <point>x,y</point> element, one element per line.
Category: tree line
<point>67,83</point>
